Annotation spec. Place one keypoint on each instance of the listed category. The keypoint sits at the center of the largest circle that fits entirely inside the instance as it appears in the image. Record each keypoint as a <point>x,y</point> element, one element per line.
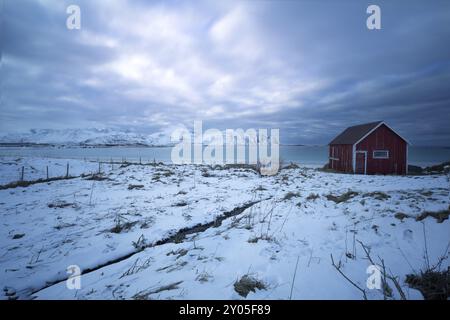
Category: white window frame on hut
<point>385,156</point>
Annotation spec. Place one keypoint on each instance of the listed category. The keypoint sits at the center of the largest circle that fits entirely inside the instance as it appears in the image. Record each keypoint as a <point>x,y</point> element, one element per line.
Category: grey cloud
<point>308,68</point>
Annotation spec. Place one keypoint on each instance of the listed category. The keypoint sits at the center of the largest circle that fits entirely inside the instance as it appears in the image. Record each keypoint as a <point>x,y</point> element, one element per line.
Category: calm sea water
<point>306,155</point>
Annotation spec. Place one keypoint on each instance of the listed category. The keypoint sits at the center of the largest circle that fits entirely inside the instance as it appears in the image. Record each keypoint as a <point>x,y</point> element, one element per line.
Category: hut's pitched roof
<point>351,135</point>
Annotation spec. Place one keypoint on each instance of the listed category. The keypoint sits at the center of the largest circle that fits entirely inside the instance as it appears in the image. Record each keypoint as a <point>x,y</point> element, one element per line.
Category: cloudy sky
<point>310,68</point>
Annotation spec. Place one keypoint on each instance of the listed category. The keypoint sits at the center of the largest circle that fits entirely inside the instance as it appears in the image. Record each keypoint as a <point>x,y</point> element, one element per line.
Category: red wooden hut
<point>371,148</point>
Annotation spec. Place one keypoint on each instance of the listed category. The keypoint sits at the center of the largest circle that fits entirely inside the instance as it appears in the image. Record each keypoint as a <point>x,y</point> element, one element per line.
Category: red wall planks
<point>341,157</point>
<point>385,139</point>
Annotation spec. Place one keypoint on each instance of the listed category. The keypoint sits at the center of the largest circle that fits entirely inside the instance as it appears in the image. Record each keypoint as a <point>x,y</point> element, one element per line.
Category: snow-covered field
<point>36,168</point>
<point>123,230</point>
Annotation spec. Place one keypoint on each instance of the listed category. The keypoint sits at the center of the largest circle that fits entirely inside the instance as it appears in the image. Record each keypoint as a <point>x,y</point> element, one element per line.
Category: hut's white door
<point>361,162</point>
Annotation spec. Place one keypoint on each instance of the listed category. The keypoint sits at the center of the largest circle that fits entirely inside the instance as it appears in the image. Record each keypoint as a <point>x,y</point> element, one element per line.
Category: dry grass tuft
<point>440,216</point>
<point>343,197</point>
<point>248,283</point>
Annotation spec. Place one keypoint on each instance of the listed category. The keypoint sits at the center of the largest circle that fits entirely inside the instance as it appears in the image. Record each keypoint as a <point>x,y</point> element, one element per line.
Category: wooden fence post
<point>67,170</point>
<point>23,172</point>
<point>47,172</point>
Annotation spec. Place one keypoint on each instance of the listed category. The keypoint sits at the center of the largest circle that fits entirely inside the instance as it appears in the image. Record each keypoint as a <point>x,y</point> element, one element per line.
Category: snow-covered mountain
<point>90,137</point>
<point>101,137</point>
